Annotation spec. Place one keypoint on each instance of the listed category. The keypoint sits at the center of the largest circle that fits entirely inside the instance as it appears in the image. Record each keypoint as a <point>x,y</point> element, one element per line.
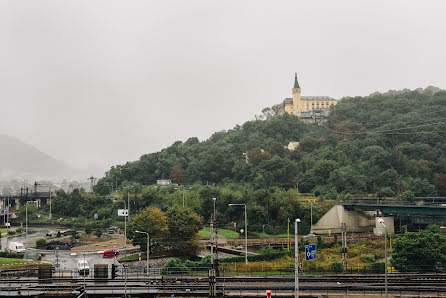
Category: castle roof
<point>296,83</point>
<point>317,98</point>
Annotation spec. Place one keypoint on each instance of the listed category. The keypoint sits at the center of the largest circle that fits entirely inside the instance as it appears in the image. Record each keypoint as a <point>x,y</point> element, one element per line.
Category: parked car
<point>112,230</point>
<point>82,267</point>
<point>110,253</point>
<point>16,247</point>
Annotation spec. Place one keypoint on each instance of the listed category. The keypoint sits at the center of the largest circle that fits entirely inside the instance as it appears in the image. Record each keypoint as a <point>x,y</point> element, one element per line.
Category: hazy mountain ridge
<point>18,159</point>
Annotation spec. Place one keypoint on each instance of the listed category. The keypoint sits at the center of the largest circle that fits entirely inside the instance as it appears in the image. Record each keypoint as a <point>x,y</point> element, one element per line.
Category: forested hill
<point>387,144</point>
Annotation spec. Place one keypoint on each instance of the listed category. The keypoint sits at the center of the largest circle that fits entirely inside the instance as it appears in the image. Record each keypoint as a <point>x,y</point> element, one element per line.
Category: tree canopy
<point>383,143</point>
<point>423,251</point>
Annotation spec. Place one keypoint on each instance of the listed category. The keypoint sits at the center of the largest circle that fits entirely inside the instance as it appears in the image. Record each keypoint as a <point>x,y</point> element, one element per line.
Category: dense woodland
<point>386,145</point>
<point>390,144</point>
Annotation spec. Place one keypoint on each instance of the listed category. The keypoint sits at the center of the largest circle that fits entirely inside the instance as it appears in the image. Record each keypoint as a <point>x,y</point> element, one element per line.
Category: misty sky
<point>102,82</point>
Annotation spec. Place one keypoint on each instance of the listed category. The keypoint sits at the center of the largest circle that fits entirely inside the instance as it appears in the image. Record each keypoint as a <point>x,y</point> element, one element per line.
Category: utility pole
<point>128,205</point>
<point>296,259</point>
<point>344,246</point>
<point>311,215</point>
<point>50,203</point>
<point>288,235</point>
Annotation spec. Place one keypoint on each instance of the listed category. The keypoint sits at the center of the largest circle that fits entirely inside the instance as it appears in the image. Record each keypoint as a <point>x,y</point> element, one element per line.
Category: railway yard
<point>401,285</point>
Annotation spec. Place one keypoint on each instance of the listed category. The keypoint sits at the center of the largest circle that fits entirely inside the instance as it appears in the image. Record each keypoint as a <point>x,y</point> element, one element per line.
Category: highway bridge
<point>399,208</point>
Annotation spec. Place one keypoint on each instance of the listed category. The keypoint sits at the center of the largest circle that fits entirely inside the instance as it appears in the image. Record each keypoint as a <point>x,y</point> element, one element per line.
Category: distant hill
<point>387,144</point>
<point>21,160</point>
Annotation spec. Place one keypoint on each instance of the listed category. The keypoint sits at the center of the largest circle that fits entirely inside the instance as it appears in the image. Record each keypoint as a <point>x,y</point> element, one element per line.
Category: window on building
<point>308,106</point>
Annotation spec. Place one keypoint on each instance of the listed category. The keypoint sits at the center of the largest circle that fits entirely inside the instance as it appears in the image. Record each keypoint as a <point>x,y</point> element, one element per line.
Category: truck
<point>16,247</point>
<point>82,267</point>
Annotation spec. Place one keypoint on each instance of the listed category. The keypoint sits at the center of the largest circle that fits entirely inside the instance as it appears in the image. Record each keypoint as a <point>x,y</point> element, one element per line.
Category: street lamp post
<point>296,259</point>
<point>381,221</point>
<point>246,232</point>
<point>148,251</point>
<point>215,233</point>
<point>26,218</point>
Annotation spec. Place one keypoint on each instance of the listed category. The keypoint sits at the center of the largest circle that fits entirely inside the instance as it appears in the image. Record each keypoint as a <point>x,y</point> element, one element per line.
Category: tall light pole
<point>148,251</point>
<point>381,221</point>
<point>296,259</point>
<point>50,215</point>
<point>26,218</point>
<point>125,224</point>
<point>246,232</point>
<point>215,226</point>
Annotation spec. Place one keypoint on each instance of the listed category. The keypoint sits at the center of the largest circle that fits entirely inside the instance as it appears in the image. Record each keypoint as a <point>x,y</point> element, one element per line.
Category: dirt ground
<point>105,242</point>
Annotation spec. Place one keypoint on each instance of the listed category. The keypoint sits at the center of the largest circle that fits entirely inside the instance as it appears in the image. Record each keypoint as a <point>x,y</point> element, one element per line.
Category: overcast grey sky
<point>102,82</point>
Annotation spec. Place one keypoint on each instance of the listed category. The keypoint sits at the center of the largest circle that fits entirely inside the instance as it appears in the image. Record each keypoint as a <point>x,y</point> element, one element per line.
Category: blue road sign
<point>125,246</point>
<point>310,252</point>
<point>6,210</point>
<point>85,246</point>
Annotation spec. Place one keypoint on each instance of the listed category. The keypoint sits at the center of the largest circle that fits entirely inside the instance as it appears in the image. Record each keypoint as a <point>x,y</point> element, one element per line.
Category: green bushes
<point>266,254</point>
<point>41,243</point>
<point>378,267</point>
<point>337,267</point>
<point>98,233</point>
<point>10,254</point>
<point>88,228</point>
<point>367,258</point>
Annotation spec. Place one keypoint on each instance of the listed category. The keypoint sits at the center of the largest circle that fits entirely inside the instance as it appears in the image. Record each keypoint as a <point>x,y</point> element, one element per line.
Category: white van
<point>16,247</point>
<point>82,267</point>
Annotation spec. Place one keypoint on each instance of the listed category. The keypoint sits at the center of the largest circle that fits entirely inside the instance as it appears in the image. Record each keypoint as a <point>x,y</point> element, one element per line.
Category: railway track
<point>400,278</point>
<point>429,284</point>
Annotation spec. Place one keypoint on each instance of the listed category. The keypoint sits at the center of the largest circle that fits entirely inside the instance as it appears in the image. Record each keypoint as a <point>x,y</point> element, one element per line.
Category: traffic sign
<point>123,212</point>
<point>310,252</point>
<point>6,210</point>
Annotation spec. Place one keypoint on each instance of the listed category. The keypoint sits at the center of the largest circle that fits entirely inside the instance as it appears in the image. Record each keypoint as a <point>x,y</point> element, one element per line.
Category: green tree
<point>177,174</point>
<point>423,251</point>
<point>153,221</point>
<point>102,187</point>
<point>183,224</point>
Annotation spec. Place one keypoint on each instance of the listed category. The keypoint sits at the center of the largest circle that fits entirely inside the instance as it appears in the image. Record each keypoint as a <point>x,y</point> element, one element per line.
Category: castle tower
<point>297,101</point>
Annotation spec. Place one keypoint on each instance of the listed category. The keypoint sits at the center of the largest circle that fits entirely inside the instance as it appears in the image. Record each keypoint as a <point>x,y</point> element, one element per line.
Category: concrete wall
<point>332,221</point>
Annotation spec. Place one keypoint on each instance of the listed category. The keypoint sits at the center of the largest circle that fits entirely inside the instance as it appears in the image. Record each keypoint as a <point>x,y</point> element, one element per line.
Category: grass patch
<point>7,261</point>
<point>130,258</point>
<point>266,235</point>
<point>228,234</point>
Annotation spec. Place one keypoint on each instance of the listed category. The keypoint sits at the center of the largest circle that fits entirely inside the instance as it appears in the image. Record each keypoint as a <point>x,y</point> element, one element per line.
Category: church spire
<point>296,83</point>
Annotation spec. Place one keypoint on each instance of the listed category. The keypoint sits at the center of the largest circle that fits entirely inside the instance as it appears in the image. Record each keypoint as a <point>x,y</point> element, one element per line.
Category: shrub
<point>378,267</point>
<point>408,195</point>
<point>41,242</point>
<point>11,232</point>
<point>320,242</point>
<point>98,233</point>
<point>58,235</point>
<point>175,263</point>
<point>266,254</point>
<point>337,267</point>
<point>19,230</point>
<point>10,254</point>
<point>88,229</point>
<point>367,258</point>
